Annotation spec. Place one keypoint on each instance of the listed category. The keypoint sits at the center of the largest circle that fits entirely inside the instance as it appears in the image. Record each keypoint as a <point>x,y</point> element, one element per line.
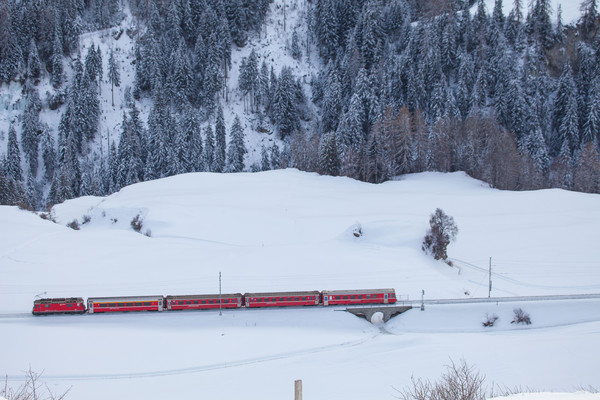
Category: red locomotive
<point>77,305</point>
<point>72,305</point>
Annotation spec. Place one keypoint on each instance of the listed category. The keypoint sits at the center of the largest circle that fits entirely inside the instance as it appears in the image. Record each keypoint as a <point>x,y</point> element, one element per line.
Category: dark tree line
<point>413,87</point>
<point>406,86</point>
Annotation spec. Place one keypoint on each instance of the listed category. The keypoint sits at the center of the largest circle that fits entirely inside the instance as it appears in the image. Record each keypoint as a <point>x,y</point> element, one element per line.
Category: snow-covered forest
<point>99,94</point>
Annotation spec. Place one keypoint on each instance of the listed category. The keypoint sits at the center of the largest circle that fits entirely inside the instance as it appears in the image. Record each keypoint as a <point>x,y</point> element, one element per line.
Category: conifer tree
<point>220,143</point>
<point>329,157</point>
<point>57,59</point>
<point>265,162</point>
<point>34,66</point>
<point>275,157</point>
<point>208,154</point>
<point>13,156</point>
<point>31,128</point>
<point>114,75</point>
<point>236,148</point>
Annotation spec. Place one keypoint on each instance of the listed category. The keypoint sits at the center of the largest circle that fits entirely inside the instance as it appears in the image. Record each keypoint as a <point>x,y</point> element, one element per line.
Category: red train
<point>76,305</point>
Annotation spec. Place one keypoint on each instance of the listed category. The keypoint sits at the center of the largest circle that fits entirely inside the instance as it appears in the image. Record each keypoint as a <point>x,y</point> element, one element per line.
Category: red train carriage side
<point>121,304</point>
<point>367,296</point>
<point>72,305</point>
<point>204,301</point>
<point>282,299</point>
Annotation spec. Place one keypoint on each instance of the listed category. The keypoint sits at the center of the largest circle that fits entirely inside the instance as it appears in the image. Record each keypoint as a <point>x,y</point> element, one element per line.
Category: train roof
<point>202,296</point>
<point>360,291</point>
<point>59,300</point>
<point>124,298</point>
<point>283,294</point>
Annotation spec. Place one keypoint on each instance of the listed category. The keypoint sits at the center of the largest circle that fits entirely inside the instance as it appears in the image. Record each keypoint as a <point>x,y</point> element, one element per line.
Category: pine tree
<point>11,54</point>
<point>587,171</point>
<point>48,155</point>
<point>275,157</point>
<point>329,158</point>
<point>295,46</point>
<point>31,128</point>
<point>209,149</point>
<point>285,112</point>
<point>591,126</point>
<point>192,142</point>
<point>589,17</point>
<point>265,162</point>
<point>220,143</point>
<point>34,66</point>
<point>565,112</point>
<point>13,156</point>
<point>114,75</point>
<point>57,59</point>
<point>236,148</point>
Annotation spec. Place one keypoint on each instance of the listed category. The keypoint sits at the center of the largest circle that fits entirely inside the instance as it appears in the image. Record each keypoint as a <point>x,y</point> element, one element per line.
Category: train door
<point>90,307</point>
<point>325,300</point>
<point>160,305</point>
<point>385,298</point>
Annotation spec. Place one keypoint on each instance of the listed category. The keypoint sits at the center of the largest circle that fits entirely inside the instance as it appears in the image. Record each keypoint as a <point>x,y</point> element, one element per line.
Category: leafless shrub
<point>490,320</point>
<point>148,233</point>
<point>73,225</point>
<point>520,317</point>
<point>459,382</point>
<point>45,216</point>
<point>86,219</point>
<point>25,207</point>
<point>137,222</point>
<point>31,389</point>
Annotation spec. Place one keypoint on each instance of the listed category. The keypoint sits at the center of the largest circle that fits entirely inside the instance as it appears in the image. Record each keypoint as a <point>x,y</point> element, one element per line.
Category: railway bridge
<point>387,311</point>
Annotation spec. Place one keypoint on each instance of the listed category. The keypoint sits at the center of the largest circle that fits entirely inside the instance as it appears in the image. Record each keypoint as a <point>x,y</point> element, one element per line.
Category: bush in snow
<point>357,230</point>
<point>521,317</point>
<point>490,320</point>
<point>30,389</point>
<point>73,225</point>
<point>136,223</point>
<point>459,382</point>
<point>442,231</point>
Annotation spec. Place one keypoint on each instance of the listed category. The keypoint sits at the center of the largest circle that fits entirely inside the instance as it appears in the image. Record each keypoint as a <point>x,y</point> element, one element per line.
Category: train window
<point>112,304</point>
<point>202,301</point>
<point>121,304</point>
<point>129,304</point>
<point>147,303</point>
<point>69,305</point>
<point>138,304</point>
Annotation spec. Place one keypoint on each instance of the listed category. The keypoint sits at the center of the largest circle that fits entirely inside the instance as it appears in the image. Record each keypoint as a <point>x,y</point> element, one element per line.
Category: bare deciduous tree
<point>32,389</point>
<point>442,231</point>
<point>459,382</point>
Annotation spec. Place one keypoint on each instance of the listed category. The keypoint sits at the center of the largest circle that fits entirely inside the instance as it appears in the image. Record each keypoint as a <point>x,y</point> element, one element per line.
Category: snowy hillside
<point>288,230</point>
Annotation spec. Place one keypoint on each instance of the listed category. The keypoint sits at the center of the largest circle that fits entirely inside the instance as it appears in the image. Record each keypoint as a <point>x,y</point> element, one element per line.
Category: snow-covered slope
<point>288,230</point>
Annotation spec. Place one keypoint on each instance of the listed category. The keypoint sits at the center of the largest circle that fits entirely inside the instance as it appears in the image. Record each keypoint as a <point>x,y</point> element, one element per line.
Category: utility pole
<point>490,286</point>
<point>220,301</point>
<point>298,389</point>
<point>422,300</point>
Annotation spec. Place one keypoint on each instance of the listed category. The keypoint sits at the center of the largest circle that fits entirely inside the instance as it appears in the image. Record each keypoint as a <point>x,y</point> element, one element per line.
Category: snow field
<point>288,230</point>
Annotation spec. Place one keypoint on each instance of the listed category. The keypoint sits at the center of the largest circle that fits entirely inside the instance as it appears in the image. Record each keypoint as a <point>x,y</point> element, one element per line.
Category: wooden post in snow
<point>298,389</point>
